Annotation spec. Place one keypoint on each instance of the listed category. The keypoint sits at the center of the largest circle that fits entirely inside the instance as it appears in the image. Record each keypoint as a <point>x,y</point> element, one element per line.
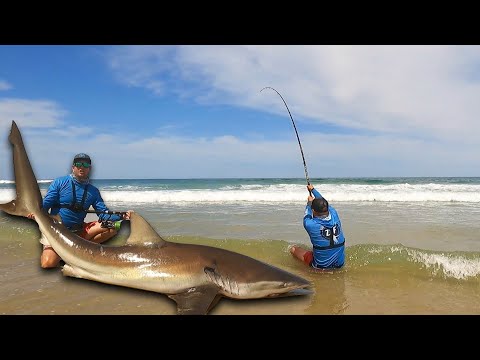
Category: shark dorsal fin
<point>141,232</point>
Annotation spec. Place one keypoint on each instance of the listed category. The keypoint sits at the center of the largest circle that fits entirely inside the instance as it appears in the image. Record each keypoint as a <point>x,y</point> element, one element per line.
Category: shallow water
<point>377,279</point>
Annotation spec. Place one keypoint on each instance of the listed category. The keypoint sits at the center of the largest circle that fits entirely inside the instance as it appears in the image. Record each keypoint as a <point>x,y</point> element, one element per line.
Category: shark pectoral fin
<point>141,232</point>
<point>196,301</point>
<point>13,208</point>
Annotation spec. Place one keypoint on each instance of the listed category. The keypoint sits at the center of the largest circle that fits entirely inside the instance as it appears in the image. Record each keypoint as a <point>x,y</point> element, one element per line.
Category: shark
<point>195,276</point>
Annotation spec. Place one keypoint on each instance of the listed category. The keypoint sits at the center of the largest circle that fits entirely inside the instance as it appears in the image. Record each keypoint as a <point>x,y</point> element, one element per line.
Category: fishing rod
<point>107,223</point>
<point>296,132</point>
<point>108,212</point>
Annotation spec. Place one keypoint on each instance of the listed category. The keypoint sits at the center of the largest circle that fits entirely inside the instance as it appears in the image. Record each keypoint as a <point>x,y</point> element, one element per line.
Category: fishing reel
<point>110,224</point>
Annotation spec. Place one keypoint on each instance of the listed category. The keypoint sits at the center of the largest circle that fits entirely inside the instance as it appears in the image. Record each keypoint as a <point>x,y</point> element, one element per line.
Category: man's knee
<point>111,232</point>
<point>49,258</point>
<point>104,235</point>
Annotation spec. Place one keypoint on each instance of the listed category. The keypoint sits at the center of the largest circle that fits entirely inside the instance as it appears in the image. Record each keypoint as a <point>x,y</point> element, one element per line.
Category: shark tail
<point>29,198</point>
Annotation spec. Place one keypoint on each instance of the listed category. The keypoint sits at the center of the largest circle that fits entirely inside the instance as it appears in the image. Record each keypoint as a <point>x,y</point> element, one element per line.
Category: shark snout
<point>296,282</point>
<point>291,285</point>
<point>299,283</point>
<point>295,286</point>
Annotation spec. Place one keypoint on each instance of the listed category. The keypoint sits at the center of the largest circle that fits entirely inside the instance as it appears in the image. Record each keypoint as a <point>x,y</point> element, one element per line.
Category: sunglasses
<point>80,164</point>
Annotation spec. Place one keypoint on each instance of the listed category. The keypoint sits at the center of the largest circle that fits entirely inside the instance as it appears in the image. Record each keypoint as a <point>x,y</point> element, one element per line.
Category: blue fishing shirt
<point>317,228</point>
<point>60,193</point>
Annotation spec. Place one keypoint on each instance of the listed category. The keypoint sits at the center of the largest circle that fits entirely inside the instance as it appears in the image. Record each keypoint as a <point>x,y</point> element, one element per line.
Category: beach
<point>411,246</point>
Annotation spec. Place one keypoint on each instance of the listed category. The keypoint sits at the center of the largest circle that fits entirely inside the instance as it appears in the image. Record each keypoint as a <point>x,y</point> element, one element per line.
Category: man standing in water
<point>323,225</point>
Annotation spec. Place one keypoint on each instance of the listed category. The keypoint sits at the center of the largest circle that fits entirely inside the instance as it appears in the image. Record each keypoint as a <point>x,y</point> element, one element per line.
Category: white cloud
<point>116,156</point>
<point>4,85</point>
<point>410,111</point>
<point>142,66</point>
<point>30,113</point>
<point>426,91</point>
<point>71,131</point>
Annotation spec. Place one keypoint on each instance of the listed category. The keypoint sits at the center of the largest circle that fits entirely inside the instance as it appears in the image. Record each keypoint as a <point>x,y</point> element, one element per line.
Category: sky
<point>199,111</point>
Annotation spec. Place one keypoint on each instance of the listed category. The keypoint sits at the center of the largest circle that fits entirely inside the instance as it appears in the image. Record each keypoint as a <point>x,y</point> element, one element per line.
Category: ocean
<point>412,245</point>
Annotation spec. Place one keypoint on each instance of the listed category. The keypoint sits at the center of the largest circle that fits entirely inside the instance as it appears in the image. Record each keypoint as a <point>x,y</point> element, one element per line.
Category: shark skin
<point>195,276</point>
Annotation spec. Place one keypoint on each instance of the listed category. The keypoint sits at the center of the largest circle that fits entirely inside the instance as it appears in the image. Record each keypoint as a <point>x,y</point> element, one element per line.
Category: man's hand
<point>309,188</point>
<point>310,198</point>
<point>127,215</point>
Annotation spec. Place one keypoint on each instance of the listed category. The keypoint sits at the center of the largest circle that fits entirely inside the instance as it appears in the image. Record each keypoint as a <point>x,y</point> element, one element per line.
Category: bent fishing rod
<point>296,132</point>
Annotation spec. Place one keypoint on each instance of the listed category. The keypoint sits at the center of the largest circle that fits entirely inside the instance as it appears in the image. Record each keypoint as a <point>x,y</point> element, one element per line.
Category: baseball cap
<point>82,156</point>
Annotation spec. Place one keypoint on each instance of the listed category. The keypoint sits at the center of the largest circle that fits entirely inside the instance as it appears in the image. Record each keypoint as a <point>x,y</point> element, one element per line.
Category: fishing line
<point>296,132</point>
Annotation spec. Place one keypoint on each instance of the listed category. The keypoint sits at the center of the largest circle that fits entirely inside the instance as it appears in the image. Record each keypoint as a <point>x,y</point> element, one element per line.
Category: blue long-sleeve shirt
<point>60,193</point>
<point>318,229</point>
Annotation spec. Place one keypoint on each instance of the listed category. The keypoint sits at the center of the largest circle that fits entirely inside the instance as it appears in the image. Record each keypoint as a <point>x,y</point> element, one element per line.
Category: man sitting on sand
<point>69,197</point>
